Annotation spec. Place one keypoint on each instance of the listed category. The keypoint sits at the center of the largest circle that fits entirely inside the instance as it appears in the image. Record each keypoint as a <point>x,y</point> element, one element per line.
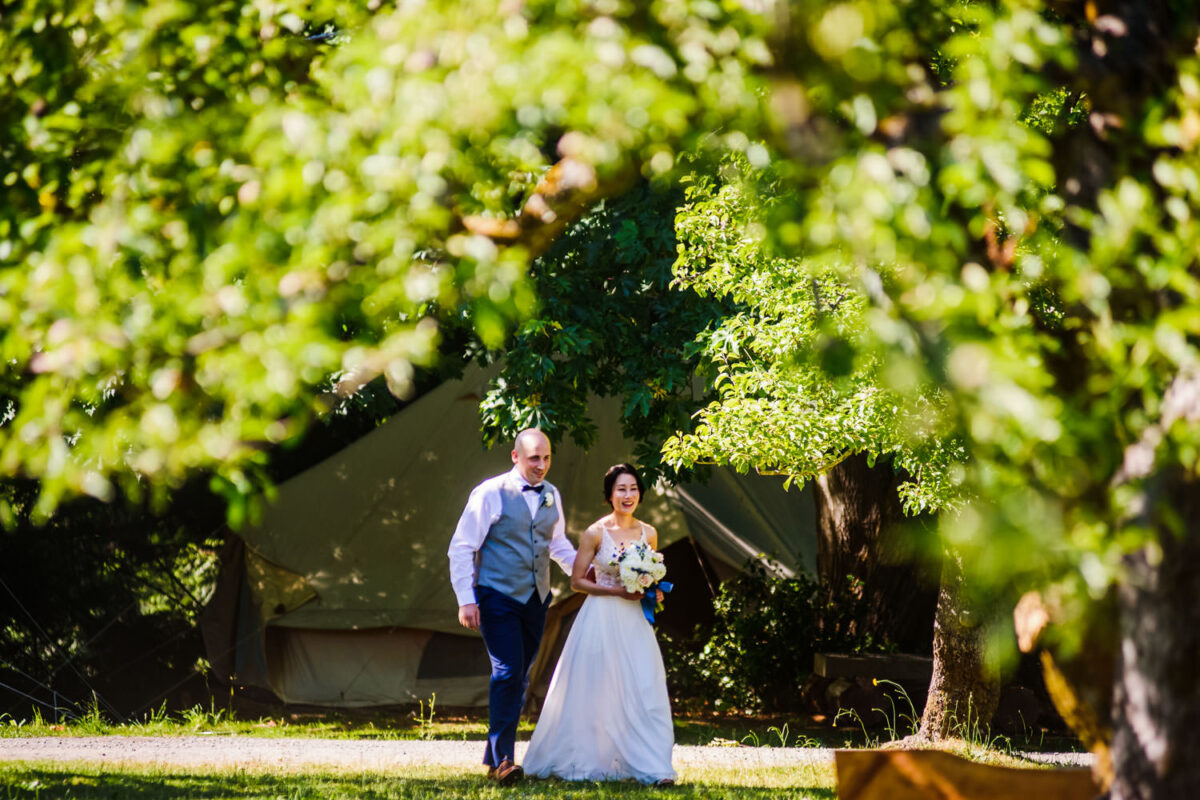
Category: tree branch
<point>566,192</point>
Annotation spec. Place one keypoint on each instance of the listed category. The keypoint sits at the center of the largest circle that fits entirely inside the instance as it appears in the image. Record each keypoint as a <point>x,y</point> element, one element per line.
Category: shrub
<point>760,647</point>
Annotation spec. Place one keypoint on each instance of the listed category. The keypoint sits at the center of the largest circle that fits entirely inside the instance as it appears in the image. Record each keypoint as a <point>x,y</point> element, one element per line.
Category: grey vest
<point>515,556</point>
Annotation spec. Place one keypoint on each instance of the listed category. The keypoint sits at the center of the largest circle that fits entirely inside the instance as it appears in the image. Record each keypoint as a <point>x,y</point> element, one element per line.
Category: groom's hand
<point>468,616</point>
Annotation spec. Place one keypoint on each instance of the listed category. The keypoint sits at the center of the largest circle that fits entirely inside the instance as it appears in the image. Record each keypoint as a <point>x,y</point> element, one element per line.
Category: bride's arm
<point>651,536</point>
<point>589,543</point>
<point>652,540</point>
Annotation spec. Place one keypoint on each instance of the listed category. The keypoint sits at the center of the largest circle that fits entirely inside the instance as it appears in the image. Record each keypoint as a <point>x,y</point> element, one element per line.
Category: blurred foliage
<point>207,222</point>
<point>608,324</point>
<point>759,648</point>
<point>1040,276</point>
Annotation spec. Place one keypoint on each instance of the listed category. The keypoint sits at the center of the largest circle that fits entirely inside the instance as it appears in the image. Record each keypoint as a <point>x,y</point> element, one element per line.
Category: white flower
<point>640,567</point>
<point>548,500</point>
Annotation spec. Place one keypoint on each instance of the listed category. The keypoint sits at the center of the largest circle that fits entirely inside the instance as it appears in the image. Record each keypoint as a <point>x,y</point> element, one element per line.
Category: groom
<point>500,570</point>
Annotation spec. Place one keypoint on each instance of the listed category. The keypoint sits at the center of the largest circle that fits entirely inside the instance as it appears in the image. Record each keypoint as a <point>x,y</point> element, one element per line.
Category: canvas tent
<point>341,595</point>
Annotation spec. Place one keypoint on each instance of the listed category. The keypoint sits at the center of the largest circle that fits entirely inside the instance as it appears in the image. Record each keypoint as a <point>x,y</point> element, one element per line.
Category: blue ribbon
<point>650,599</point>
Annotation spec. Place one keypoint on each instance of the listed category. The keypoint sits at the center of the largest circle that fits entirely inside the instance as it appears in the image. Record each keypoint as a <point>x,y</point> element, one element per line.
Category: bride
<point>607,715</point>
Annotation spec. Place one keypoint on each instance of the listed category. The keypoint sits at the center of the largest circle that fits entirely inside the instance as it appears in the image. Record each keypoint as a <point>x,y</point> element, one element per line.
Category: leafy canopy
<point>798,390</point>
<point>205,217</point>
<point>610,325</point>
<point>208,221</point>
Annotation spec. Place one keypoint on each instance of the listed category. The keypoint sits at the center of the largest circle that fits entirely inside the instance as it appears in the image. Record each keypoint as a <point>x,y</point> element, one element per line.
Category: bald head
<point>530,437</point>
<point>531,454</point>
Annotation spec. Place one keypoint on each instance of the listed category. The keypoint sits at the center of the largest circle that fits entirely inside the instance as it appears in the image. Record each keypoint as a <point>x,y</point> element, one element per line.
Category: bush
<point>760,647</point>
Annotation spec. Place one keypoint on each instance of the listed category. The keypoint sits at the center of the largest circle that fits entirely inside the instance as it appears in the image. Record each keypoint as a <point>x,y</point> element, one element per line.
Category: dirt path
<point>218,751</point>
<point>246,751</point>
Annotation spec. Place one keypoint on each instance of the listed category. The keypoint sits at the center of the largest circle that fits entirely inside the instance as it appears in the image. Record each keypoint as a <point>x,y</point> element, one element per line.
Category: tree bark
<point>962,692</point>
<point>1156,696</point>
<point>1156,692</point>
<point>865,557</point>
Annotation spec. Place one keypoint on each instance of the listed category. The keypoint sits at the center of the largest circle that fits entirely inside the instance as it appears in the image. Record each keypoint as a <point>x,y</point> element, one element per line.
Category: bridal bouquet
<point>642,570</point>
<point>641,567</point>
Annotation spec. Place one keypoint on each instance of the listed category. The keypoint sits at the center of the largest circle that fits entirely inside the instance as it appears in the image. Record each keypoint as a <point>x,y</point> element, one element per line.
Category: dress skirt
<point>607,715</point>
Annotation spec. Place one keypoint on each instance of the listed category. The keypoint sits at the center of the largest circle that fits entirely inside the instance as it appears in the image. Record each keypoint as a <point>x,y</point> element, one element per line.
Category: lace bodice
<point>606,574</point>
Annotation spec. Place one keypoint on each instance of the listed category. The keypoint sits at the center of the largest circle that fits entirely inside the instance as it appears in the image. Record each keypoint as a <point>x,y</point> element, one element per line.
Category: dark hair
<point>616,471</point>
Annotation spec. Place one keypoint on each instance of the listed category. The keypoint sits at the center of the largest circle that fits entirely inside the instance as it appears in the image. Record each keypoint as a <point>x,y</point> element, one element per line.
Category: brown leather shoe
<point>507,773</point>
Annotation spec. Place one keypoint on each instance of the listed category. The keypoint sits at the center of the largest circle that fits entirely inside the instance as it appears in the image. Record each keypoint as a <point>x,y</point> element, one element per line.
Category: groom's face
<point>531,454</point>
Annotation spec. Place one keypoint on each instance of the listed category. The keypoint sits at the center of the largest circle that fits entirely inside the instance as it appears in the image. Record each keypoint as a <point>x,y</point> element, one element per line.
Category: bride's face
<point>625,494</point>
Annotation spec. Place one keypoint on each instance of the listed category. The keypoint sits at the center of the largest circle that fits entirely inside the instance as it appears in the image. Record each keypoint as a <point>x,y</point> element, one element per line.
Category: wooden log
<point>934,775</point>
<point>898,667</point>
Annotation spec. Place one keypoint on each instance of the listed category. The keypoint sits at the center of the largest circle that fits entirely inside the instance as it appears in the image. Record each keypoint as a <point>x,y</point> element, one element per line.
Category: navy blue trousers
<point>511,633</point>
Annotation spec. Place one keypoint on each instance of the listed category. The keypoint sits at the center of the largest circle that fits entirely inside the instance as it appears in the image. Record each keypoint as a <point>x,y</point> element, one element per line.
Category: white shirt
<point>484,507</point>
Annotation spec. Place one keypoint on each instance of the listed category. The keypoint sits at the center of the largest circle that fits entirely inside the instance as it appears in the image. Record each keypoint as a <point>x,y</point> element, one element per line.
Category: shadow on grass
<point>94,784</point>
<point>765,731</point>
<point>803,731</point>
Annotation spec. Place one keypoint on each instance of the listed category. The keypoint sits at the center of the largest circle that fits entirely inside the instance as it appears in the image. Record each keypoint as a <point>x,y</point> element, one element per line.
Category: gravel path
<point>248,751</point>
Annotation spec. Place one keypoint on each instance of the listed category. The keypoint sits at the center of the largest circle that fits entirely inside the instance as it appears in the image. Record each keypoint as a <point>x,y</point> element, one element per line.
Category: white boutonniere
<point>548,499</point>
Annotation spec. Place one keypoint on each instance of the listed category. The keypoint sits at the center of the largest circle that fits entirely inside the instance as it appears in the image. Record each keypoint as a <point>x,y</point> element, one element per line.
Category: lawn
<point>765,731</point>
<point>755,731</point>
<point>46,780</point>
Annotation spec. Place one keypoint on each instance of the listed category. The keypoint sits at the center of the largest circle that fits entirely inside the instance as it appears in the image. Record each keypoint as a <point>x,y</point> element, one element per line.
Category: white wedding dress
<point>607,715</point>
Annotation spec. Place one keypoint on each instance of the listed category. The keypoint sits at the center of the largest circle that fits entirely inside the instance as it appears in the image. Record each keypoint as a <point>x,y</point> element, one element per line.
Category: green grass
<point>43,781</point>
<point>754,731</point>
<point>219,721</point>
<point>762,731</point>
<point>90,781</point>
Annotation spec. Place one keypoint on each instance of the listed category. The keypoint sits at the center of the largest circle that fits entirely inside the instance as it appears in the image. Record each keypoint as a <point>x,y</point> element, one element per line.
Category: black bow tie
<point>528,488</point>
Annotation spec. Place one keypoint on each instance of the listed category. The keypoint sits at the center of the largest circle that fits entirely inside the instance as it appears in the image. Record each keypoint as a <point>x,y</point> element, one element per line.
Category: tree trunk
<point>962,693</point>
<point>866,561</point>
<point>1156,696</point>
